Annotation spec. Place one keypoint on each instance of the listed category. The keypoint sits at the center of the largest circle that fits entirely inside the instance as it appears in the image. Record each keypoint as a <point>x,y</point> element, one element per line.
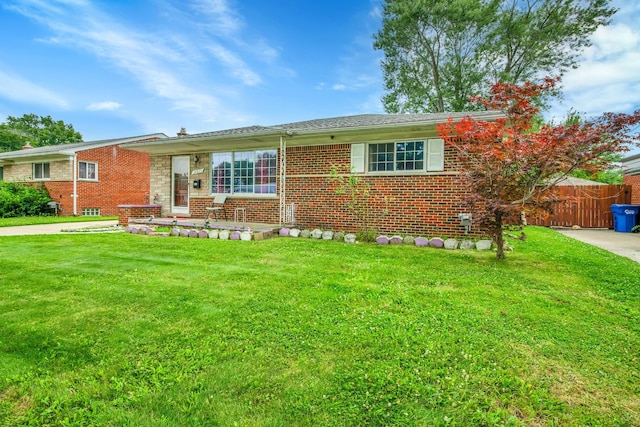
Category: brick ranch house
<point>267,169</point>
<point>85,178</point>
<point>631,176</point>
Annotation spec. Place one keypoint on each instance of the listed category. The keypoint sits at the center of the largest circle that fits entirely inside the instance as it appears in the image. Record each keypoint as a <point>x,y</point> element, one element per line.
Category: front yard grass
<point>136,330</point>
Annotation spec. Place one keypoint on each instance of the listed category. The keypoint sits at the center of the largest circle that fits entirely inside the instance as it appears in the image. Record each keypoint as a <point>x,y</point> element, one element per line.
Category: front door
<point>180,185</point>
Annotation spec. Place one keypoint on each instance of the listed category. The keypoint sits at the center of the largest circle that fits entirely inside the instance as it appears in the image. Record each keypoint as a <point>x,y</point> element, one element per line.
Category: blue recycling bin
<point>624,217</point>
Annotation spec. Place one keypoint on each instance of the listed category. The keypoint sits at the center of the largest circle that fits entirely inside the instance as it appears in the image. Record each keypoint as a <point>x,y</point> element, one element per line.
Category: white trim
<point>87,169</point>
<point>74,196</point>
<point>283,181</point>
<point>434,155</point>
<point>358,158</point>
<point>33,171</point>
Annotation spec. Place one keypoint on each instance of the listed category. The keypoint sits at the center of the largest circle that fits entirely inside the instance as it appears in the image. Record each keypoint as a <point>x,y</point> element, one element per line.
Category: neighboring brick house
<point>411,173</point>
<point>631,176</point>
<point>85,178</point>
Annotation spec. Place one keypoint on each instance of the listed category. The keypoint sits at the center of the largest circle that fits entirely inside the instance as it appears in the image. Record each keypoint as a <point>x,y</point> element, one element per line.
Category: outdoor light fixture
<point>196,159</point>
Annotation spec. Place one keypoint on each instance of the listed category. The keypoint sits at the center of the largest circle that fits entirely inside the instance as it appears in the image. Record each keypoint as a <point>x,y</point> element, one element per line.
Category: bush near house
<point>17,199</point>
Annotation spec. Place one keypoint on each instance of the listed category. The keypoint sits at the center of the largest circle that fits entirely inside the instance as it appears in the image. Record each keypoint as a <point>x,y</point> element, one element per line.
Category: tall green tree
<point>437,53</point>
<point>38,131</point>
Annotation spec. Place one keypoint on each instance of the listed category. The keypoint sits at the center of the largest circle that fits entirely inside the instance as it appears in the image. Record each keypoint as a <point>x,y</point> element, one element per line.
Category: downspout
<point>283,179</point>
<point>74,196</point>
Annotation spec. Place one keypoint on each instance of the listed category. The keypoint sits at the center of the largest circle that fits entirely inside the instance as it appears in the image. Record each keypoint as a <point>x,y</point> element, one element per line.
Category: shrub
<point>17,199</point>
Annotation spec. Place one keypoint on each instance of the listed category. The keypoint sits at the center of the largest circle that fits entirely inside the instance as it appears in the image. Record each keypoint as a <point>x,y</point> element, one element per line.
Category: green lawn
<point>120,329</point>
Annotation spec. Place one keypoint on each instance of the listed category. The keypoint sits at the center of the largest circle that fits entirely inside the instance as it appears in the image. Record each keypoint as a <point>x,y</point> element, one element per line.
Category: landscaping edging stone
<point>436,242</point>
<point>451,244</point>
<point>467,244</point>
<point>484,245</point>
<point>247,234</point>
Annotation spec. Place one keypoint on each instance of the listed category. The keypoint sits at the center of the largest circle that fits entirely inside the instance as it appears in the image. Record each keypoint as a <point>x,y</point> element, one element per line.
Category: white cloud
<point>339,87</point>
<point>607,78</point>
<point>222,19</point>
<point>22,90</point>
<point>237,66</point>
<point>105,105</point>
<point>149,58</point>
<point>613,70</point>
<point>612,39</point>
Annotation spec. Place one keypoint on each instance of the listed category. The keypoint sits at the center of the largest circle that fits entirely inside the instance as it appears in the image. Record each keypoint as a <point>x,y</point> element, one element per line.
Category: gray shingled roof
<point>345,122</point>
<point>75,147</point>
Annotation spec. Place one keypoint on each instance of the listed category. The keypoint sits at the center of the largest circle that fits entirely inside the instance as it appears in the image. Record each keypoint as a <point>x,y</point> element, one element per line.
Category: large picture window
<point>41,171</point>
<point>244,172</point>
<point>88,170</point>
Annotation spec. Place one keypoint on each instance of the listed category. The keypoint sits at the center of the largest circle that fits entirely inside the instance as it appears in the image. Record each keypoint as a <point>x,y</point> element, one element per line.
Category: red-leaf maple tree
<point>509,167</point>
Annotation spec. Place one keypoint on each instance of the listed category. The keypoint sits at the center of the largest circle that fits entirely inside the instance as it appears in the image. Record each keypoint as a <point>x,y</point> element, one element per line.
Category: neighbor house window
<point>398,157</point>
<point>244,172</point>
<point>88,170</point>
<point>41,171</point>
<point>1,173</point>
<point>90,211</point>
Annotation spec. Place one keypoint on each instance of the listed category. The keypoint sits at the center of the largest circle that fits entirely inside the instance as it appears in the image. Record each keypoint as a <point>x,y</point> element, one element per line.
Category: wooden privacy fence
<point>588,206</point>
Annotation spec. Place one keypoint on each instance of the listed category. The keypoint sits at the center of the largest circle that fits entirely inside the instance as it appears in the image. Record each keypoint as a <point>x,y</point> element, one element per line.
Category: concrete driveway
<point>24,230</point>
<point>624,244</point>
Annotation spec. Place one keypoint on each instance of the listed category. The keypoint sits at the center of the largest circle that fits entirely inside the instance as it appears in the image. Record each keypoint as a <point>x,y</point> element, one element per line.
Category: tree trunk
<point>498,237</point>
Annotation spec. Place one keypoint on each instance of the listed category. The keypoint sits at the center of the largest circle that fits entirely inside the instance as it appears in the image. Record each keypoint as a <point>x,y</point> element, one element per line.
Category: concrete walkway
<point>24,230</point>
<point>624,244</point>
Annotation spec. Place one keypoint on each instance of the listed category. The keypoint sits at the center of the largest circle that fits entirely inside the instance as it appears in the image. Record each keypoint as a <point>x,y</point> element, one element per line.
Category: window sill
<point>244,196</point>
<point>405,173</point>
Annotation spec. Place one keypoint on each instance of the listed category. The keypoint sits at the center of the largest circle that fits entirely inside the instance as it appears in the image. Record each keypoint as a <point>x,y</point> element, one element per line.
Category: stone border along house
<point>267,169</point>
<point>631,176</point>
<point>85,178</point>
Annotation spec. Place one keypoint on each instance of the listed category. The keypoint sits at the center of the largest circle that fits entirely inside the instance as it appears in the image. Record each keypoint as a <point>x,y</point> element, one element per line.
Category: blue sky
<point>129,67</point>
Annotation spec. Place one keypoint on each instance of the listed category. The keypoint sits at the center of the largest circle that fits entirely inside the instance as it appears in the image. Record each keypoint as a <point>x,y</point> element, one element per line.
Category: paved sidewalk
<point>24,230</point>
<point>624,244</point>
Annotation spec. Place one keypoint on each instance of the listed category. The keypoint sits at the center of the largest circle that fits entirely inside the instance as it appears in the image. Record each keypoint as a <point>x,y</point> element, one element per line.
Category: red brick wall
<point>263,210</point>
<point>634,182</point>
<point>125,212</point>
<point>411,204</point>
<point>123,178</point>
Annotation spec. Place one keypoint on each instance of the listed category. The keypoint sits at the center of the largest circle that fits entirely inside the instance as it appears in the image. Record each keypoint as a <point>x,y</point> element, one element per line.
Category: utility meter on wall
<point>465,220</point>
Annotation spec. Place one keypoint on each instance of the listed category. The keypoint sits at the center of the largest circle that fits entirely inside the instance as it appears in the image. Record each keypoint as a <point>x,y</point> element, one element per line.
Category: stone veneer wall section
<point>18,173</point>
<point>160,182</point>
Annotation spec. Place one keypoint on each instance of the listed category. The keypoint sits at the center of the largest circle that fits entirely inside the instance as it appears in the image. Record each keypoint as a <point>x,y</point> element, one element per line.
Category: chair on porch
<point>217,206</point>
